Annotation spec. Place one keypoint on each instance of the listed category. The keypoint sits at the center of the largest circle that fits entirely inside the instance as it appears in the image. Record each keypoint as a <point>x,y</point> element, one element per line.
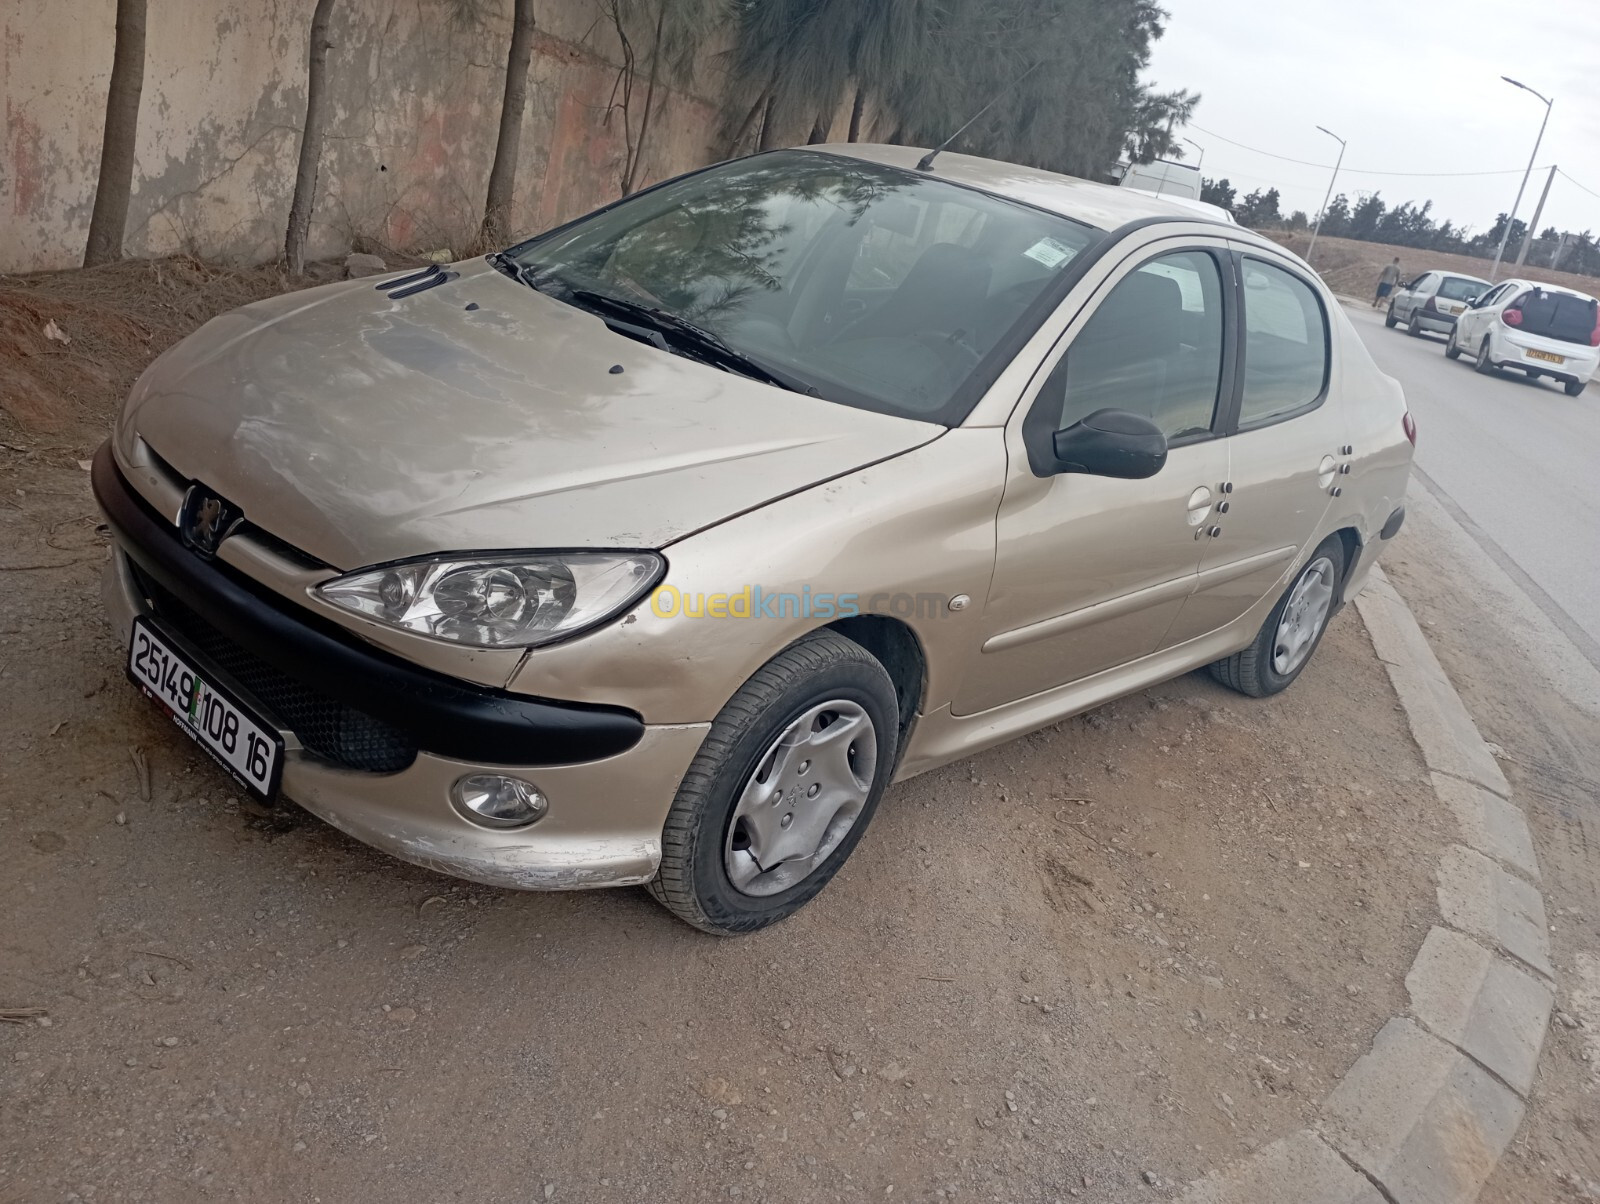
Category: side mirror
<point>1111,443</point>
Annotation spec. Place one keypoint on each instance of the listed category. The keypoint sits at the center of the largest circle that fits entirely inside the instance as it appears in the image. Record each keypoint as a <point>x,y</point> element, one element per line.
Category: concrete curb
<point>1424,1116</point>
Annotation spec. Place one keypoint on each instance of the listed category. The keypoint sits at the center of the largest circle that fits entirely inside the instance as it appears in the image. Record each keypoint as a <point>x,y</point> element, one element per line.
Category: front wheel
<point>1389,320</point>
<point>1574,387</point>
<point>1452,349</point>
<point>782,789</point>
<point>1291,633</point>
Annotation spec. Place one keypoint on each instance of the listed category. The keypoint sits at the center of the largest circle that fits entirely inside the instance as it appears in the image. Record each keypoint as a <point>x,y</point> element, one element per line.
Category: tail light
<point>1431,307</point>
<point>1409,425</point>
<point>1512,317</point>
<point>1594,335</point>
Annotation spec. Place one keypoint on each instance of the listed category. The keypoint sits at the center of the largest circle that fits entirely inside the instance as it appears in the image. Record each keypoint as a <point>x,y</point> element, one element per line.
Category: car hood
<point>476,415</point>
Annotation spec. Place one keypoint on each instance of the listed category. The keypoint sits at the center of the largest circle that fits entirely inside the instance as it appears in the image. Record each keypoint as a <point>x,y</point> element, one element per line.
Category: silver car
<point>1433,301</point>
<point>653,549</point>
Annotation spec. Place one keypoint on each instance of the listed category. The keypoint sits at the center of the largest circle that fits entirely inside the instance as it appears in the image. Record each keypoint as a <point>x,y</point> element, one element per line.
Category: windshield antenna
<point>926,162</point>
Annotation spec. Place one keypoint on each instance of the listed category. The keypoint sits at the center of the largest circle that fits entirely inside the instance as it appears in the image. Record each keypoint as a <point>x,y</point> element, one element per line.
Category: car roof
<point>1457,275</point>
<point>1195,204</point>
<point>1101,205</point>
<point>1550,288</point>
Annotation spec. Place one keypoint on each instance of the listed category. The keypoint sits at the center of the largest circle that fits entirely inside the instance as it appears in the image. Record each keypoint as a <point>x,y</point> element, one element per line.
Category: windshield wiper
<point>686,336</point>
<point>522,273</point>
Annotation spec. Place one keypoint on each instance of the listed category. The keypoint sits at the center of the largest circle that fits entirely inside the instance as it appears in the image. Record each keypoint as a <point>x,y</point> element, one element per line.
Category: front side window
<point>870,285</point>
<point>1152,347</point>
<point>1285,344</point>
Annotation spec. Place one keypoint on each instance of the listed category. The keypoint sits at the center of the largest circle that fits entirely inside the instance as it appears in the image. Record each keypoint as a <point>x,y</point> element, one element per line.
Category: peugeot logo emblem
<point>206,520</point>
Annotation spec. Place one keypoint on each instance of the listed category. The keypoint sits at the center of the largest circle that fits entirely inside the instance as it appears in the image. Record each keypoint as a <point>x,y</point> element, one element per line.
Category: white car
<point>1540,328</point>
<point>1433,301</point>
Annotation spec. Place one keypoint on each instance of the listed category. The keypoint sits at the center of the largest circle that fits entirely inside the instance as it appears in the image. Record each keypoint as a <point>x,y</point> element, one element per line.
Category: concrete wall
<point>414,106</point>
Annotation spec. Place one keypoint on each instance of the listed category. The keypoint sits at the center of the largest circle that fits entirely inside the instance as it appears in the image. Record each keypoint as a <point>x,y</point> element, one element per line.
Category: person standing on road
<point>1387,279</point>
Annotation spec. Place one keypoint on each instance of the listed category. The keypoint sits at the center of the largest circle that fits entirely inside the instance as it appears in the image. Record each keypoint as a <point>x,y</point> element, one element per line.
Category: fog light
<point>497,801</point>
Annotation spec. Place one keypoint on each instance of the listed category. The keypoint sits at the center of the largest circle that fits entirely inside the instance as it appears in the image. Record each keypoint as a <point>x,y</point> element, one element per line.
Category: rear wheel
<point>1389,319</point>
<point>1574,387</point>
<point>1452,349</point>
<point>1414,325</point>
<point>1485,364</point>
<point>782,789</point>
<point>1291,633</point>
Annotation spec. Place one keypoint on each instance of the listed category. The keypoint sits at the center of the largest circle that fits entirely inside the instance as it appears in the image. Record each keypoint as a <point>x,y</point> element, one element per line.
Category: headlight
<point>516,601</point>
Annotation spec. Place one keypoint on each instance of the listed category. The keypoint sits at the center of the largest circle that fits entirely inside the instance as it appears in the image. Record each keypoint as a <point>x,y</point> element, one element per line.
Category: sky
<point>1412,87</point>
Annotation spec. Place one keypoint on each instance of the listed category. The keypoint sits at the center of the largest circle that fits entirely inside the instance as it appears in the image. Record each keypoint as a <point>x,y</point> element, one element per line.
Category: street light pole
<point>1321,213</point>
<point>1538,212</point>
<point>1512,216</point>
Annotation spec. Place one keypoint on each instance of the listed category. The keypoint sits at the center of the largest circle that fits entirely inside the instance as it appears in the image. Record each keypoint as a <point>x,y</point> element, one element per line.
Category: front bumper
<point>603,826</point>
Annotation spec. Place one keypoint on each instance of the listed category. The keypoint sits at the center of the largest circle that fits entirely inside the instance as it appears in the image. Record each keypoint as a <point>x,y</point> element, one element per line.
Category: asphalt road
<point>1516,462</point>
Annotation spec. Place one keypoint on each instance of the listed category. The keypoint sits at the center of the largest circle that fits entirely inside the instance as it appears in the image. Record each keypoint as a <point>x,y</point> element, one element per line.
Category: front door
<point>1091,571</point>
<point>1285,457</point>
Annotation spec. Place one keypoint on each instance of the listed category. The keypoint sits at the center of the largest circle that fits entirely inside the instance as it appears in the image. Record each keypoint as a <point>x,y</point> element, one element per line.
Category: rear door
<point>1286,446</point>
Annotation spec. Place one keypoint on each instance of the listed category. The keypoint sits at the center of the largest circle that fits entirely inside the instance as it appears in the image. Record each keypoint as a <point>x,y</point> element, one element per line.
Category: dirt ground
<point>1091,964</point>
<point>1351,266</point>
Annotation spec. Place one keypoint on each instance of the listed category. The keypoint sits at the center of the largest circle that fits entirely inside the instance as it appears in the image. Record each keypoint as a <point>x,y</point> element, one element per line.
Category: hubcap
<point>805,795</point>
<point>1303,616</point>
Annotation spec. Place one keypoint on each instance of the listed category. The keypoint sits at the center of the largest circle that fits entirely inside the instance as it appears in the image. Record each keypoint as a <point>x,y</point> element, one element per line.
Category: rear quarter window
<point>1459,288</point>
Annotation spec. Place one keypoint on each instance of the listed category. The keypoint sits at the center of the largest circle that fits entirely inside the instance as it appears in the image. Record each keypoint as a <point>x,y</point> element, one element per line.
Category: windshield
<point>874,286</point>
<point>1561,316</point>
<point>1461,288</point>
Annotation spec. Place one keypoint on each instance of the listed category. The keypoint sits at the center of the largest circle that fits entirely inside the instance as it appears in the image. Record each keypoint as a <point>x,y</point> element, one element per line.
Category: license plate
<point>1453,309</point>
<point>242,743</point>
<point>1548,356</point>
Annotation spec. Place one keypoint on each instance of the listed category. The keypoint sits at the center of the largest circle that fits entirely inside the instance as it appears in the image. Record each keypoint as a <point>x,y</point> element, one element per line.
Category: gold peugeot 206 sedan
<point>653,549</point>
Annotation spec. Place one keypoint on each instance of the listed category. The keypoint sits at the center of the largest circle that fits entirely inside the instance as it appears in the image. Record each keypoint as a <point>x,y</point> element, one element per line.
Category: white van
<point>1164,177</point>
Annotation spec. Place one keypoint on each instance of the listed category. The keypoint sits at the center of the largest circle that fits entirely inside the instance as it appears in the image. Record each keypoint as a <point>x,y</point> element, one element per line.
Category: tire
<point>1389,320</point>
<point>704,828</point>
<point>1414,325</point>
<point>1452,350</point>
<point>1256,670</point>
<point>1485,364</point>
<point>1574,387</point>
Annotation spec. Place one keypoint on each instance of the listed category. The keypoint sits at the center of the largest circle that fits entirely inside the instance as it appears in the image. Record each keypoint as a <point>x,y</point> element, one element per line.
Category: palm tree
<point>109,221</point>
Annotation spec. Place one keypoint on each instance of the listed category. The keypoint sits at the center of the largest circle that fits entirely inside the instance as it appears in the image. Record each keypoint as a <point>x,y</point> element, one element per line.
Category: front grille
<point>330,729</point>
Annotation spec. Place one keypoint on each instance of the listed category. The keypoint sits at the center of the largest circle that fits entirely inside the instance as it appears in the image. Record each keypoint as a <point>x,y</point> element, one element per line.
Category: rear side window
<point>1556,316</point>
<point>1285,345</point>
<point>1153,347</point>
<point>1459,288</point>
